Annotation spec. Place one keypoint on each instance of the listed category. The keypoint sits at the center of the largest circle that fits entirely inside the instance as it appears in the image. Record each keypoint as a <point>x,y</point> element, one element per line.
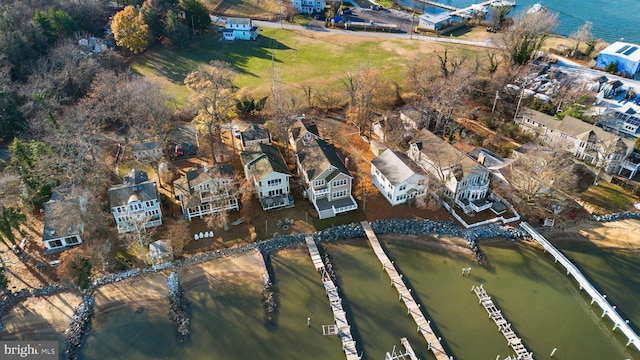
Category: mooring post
<point>308,322</point>
<point>553,351</point>
<point>615,327</point>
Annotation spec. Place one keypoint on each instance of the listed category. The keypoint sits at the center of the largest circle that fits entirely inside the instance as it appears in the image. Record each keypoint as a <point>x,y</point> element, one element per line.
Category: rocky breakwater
<point>618,216</point>
<point>269,299</point>
<point>474,235</point>
<point>80,324</point>
<point>178,307</point>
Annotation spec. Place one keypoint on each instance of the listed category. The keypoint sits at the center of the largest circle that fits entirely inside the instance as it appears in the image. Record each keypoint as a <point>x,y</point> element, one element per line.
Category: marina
<point>470,11</point>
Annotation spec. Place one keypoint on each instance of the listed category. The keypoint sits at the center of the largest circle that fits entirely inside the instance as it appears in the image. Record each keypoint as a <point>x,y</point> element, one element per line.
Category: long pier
<point>413,308</point>
<point>464,12</point>
<point>596,297</point>
<point>342,327</point>
<point>503,326</point>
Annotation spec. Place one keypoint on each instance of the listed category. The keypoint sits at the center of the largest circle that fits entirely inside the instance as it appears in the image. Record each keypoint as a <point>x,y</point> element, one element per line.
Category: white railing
<point>610,311</point>
<point>321,192</point>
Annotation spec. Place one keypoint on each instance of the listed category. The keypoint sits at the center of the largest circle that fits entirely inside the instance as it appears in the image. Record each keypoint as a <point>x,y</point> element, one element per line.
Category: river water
<point>544,306</point>
<point>612,21</point>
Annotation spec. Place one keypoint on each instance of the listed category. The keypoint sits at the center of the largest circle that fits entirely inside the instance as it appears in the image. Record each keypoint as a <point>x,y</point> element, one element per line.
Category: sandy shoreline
<point>48,317</point>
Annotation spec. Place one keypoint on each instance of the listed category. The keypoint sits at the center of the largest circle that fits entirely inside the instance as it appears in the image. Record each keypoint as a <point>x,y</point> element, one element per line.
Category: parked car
<point>236,131</point>
<point>191,149</point>
<point>178,150</point>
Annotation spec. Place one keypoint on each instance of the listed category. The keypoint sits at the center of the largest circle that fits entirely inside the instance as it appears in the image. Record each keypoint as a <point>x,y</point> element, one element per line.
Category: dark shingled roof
<point>135,185</point>
<point>303,126</point>
<point>57,213</point>
<point>264,159</point>
<point>318,156</point>
<point>255,132</point>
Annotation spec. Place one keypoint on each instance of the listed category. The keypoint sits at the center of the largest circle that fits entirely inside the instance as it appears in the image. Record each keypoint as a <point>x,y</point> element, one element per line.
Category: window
<point>55,243</point>
<point>402,188</point>
<point>340,193</point>
<point>341,182</point>
<point>274,182</point>
<point>401,197</point>
<point>72,240</point>
<point>275,192</point>
<point>319,182</point>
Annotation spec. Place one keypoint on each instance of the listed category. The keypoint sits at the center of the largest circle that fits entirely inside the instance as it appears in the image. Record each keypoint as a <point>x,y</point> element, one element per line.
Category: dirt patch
<point>621,234</point>
<point>245,270</point>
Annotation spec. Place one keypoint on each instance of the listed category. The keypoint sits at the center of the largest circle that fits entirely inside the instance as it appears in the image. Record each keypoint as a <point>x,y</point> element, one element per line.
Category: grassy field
<point>608,198</point>
<point>317,58</point>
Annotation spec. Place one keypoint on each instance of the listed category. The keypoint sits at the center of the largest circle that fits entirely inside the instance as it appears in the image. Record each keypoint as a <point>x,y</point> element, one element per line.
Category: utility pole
<point>518,106</point>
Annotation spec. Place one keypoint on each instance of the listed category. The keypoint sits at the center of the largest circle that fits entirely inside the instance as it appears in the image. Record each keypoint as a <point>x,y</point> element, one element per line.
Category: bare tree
<point>139,237</point>
<point>214,92</point>
<point>180,236</point>
<point>527,35</point>
<point>284,107</point>
<point>369,91</point>
<point>582,35</point>
<point>609,151</point>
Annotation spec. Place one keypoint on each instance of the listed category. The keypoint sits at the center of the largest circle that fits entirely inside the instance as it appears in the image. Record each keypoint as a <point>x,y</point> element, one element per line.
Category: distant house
<point>397,177</point>
<point>265,166</point>
<point>465,181</point>
<point>309,6</point>
<point>135,202</point>
<point>585,141</point>
<point>148,151</point>
<point>302,133</point>
<point>327,180</point>
<point>434,22</point>
<point>203,191</point>
<point>63,227</point>
<point>239,29</point>
<point>255,134</point>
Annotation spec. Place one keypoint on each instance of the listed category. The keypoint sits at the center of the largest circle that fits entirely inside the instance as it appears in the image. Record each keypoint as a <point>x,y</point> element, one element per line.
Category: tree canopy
<point>527,35</point>
<point>130,29</point>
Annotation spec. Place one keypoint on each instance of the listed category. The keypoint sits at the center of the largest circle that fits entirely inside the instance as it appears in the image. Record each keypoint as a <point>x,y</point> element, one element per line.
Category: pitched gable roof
<point>135,186</point>
<point>396,166</point>
<point>318,157</point>
<point>302,126</point>
<point>62,215</point>
<point>255,132</point>
<point>443,154</point>
<point>263,159</point>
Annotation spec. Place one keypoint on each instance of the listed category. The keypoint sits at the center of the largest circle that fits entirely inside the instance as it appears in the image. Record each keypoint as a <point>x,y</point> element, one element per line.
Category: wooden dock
<point>342,327</point>
<point>413,308</point>
<point>503,326</point>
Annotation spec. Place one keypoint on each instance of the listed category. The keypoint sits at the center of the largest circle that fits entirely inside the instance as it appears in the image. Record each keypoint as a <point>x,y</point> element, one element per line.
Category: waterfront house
<point>266,168</point>
<point>204,191</point>
<point>309,6</point>
<point>302,133</point>
<point>434,22</point>
<point>463,180</point>
<point>239,29</point>
<point>255,134</point>
<point>63,227</point>
<point>135,202</point>
<point>398,178</point>
<point>327,180</point>
<point>587,142</point>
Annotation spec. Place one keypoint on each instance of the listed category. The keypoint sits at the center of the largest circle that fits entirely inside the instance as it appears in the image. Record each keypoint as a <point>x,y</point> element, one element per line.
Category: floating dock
<point>341,327</point>
<point>505,328</point>
<point>413,308</point>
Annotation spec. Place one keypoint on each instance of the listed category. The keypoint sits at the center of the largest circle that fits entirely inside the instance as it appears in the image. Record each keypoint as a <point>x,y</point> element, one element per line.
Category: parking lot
<point>384,16</point>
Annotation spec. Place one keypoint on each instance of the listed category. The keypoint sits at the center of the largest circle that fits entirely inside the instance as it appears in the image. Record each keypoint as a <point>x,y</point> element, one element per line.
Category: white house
<point>255,134</point>
<point>465,181</point>
<point>239,29</point>
<point>309,6</point>
<point>585,141</point>
<point>135,202</point>
<point>203,191</point>
<point>302,132</point>
<point>327,180</point>
<point>434,22</point>
<point>63,227</point>
<point>265,166</point>
<point>397,177</point>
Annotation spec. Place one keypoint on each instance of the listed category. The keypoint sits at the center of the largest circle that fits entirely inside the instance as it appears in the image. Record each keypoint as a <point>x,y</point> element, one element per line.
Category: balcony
<point>275,202</point>
<point>321,192</point>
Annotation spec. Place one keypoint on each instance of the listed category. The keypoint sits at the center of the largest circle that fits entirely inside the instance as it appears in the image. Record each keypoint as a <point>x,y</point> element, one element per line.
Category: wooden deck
<point>413,308</point>
<point>342,327</point>
<point>503,326</point>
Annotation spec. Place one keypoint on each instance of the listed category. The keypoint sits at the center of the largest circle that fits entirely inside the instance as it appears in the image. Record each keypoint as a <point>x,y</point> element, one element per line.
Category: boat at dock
<point>535,8</point>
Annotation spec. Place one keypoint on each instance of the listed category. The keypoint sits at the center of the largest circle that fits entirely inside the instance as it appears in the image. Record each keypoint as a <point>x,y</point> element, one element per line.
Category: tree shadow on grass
<point>174,63</point>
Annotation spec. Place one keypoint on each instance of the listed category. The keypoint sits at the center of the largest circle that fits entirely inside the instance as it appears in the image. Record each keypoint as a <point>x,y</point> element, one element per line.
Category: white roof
<point>623,50</point>
<point>434,19</point>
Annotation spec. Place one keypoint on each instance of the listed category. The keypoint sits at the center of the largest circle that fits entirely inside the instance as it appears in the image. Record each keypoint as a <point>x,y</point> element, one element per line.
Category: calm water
<point>611,20</point>
<point>545,307</point>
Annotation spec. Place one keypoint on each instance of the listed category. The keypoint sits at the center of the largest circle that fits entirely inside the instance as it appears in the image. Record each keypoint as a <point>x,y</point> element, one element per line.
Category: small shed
<point>160,251</point>
<point>434,22</point>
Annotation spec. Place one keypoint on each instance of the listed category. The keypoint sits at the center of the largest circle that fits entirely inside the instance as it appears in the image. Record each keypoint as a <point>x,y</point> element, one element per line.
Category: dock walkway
<point>596,297</point>
<point>413,308</point>
<point>339,315</point>
<point>503,326</point>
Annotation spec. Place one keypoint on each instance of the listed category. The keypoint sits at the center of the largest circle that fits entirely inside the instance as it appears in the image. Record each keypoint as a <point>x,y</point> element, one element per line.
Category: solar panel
<point>623,49</point>
<point>630,51</point>
<point>633,121</point>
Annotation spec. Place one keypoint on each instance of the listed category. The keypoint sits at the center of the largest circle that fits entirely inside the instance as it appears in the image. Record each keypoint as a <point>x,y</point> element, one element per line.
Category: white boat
<point>534,9</point>
<point>501,3</point>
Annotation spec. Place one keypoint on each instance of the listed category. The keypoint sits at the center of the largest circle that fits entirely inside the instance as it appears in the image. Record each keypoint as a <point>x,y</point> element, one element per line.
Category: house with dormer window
<point>302,133</point>
<point>266,168</point>
<point>135,202</point>
<point>464,181</point>
<point>327,180</point>
<point>204,191</point>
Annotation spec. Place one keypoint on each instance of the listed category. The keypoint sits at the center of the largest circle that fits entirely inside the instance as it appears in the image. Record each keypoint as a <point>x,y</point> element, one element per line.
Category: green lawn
<point>298,57</point>
<point>608,198</point>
